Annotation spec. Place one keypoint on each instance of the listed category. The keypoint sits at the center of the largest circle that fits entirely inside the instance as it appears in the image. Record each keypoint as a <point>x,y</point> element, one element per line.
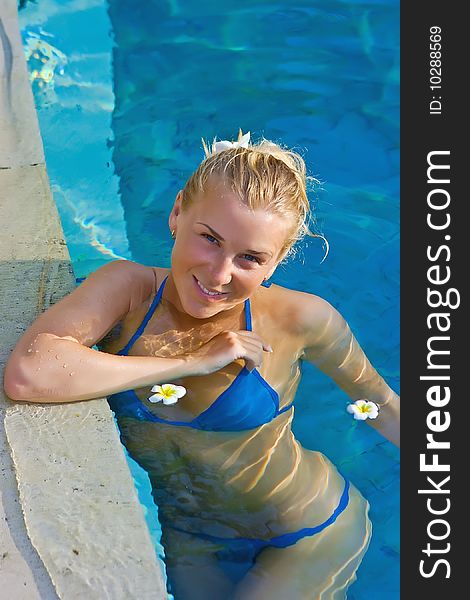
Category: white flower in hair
<point>167,393</point>
<point>363,409</point>
<point>225,144</point>
<point>242,142</point>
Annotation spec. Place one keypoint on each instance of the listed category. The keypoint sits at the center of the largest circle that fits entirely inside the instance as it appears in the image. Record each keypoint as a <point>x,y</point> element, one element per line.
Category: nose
<point>221,272</point>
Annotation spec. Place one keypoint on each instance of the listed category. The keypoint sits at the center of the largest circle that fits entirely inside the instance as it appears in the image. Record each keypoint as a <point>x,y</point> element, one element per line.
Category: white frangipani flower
<point>167,393</point>
<point>243,141</point>
<point>363,409</point>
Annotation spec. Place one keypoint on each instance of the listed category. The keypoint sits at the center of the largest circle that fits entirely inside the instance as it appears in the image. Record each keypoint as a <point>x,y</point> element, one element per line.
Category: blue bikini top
<point>247,403</point>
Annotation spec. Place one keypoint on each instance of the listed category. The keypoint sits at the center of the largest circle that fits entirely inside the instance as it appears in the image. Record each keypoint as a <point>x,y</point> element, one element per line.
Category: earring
<point>173,234</point>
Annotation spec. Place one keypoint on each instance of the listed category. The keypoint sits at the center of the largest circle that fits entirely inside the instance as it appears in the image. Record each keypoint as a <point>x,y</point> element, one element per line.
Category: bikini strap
<point>248,315</point>
<point>147,318</point>
<point>248,307</point>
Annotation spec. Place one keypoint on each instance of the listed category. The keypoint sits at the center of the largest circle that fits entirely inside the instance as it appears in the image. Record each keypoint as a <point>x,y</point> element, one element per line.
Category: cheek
<point>190,251</point>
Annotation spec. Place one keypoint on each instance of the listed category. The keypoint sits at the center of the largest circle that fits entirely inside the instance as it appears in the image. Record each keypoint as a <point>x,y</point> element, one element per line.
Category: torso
<point>258,482</point>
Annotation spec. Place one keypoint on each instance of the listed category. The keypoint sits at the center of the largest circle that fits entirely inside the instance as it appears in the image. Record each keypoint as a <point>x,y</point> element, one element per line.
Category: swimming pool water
<point>134,87</point>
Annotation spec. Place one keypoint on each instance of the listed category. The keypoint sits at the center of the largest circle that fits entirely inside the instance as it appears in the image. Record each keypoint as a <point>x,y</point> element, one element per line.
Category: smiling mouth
<point>207,292</point>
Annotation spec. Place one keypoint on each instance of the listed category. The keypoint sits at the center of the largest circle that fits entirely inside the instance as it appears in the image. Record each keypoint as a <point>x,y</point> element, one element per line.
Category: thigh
<point>320,567</point>
<point>192,567</point>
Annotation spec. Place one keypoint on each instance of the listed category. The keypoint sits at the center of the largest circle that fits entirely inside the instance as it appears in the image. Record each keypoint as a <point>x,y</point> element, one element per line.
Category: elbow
<point>23,378</point>
<point>16,385</point>
<point>16,393</point>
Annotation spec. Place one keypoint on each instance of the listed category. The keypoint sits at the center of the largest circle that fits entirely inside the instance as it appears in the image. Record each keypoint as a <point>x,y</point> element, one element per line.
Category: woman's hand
<point>225,348</point>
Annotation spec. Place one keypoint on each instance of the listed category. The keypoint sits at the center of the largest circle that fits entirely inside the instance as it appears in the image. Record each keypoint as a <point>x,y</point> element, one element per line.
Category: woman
<point>246,512</point>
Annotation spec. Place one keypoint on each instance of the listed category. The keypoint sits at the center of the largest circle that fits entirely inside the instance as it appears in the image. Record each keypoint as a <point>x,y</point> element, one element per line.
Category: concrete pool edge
<point>70,522</point>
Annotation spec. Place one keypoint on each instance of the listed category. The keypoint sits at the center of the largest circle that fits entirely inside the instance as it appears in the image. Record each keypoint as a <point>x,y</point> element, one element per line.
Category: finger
<point>249,341</point>
<point>253,351</point>
<point>248,334</point>
<point>251,335</point>
<point>250,365</point>
<point>253,360</point>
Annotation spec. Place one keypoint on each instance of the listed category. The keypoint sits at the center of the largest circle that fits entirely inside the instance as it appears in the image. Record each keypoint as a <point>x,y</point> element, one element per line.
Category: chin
<point>194,304</point>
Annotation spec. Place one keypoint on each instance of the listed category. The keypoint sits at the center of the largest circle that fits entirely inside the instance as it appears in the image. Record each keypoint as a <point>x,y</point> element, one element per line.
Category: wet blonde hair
<point>265,176</point>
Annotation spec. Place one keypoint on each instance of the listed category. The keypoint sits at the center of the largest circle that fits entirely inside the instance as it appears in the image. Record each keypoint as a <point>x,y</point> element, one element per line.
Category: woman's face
<point>223,250</point>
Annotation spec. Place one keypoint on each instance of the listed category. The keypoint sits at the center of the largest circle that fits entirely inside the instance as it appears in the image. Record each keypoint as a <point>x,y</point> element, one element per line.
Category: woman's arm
<point>330,345</point>
<point>54,362</point>
<point>62,370</point>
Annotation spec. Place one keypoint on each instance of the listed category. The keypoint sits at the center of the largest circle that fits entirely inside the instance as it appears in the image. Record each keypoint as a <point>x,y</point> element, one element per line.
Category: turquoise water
<point>134,88</point>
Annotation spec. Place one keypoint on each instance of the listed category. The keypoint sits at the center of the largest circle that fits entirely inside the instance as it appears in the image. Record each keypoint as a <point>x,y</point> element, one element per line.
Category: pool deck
<point>71,525</point>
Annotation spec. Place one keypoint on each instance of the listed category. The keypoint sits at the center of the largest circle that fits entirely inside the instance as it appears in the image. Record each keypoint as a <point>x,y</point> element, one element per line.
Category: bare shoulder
<point>140,279</point>
<point>297,313</point>
<point>141,282</point>
<point>93,308</point>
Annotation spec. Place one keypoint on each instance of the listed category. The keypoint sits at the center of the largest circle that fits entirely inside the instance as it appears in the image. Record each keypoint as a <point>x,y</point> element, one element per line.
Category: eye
<point>251,258</point>
<point>209,237</point>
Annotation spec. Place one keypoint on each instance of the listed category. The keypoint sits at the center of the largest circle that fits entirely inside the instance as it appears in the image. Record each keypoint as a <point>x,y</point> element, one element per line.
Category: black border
<point>421,133</point>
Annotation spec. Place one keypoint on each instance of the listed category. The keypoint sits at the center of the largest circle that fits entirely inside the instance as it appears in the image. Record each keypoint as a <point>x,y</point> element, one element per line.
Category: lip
<point>206,296</point>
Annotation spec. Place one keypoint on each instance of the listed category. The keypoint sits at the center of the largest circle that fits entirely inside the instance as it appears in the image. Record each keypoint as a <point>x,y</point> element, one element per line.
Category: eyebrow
<point>217,235</point>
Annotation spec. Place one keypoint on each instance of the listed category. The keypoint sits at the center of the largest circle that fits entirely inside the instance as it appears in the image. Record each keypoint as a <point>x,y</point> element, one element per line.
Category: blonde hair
<point>265,176</point>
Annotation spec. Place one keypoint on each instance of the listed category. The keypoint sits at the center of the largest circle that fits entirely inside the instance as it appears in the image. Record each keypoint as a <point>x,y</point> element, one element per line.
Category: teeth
<point>207,291</point>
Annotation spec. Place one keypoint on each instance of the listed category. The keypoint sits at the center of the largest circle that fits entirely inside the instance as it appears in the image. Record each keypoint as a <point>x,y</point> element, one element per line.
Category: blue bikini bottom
<point>239,554</point>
